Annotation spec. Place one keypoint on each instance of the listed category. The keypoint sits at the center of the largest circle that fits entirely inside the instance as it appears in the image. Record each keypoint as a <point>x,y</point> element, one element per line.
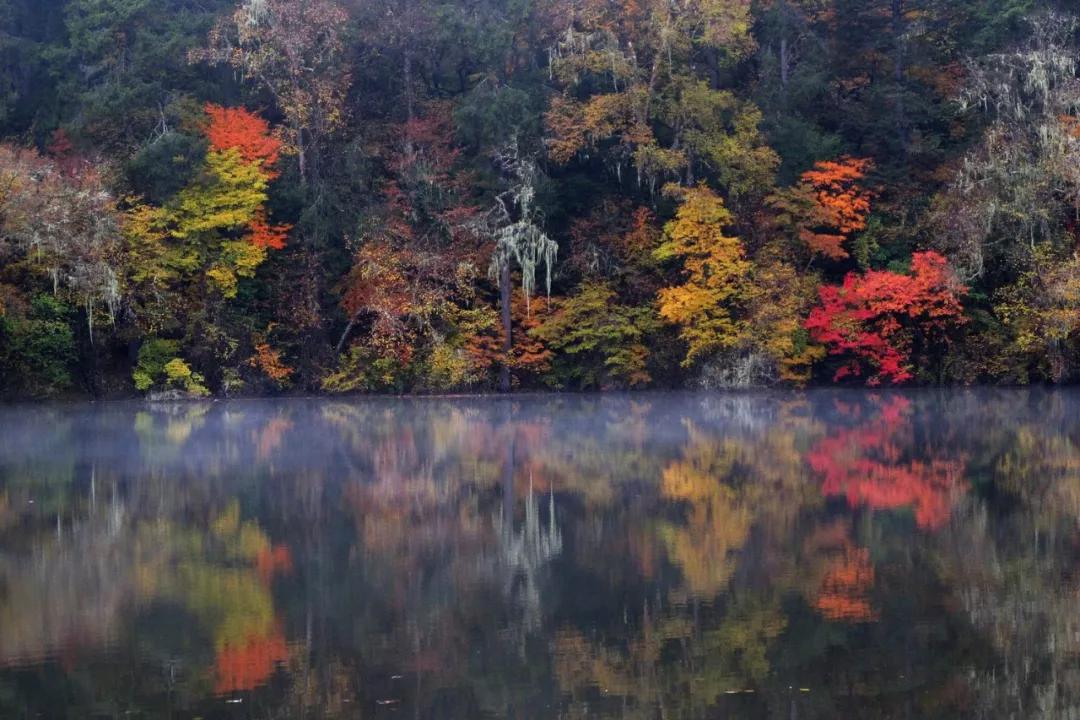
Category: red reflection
<point>247,666</point>
<point>272,561</point>
<point>868,465</point>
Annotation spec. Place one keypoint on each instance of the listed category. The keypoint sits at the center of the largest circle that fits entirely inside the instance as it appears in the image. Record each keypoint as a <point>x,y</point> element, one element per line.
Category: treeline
<point>221,197</point>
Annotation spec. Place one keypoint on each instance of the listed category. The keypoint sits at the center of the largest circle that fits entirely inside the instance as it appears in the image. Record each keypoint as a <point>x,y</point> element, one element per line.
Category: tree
<point>1019,186</point>
<point>599,344</point>
<point>294,49</point>
<point>706,307</point>
<point>182,261</point>
<point>633,94</point>
<point>1041,312</point>
<point>827,206</point>
<point>223,212</point>
<point>514,226</point>
<point>61,221</point>
<point>881,318</point>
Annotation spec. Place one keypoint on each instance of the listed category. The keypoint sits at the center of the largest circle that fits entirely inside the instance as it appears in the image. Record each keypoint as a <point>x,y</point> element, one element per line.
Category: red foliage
<point>60,144</point>
<point>840,207</point>
<point>247,666</point>
<point>398,290</point>
<point>869,466</point>
<point>875,317</point>
<point>245,131</point>
<point>273,561</point>
<point>263,234</point>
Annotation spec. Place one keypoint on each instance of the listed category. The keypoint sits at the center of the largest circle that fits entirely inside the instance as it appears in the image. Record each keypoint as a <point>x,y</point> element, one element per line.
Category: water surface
<point>827,555</point>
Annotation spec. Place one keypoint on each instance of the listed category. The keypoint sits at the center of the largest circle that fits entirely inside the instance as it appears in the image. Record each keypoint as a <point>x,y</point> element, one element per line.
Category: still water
<point>827,555</point>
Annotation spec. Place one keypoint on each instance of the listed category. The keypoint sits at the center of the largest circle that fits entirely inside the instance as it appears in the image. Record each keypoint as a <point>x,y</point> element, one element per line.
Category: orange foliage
<point>270,437</point>
<point>263,234</point>
<point>247,666</point>
<point>529,353</point>
<point>1071,125</point>
<point>269,361</point>
<point>840,205</point>
<point>846,588</point>
<point>245,131</point>
<point>871,466</point>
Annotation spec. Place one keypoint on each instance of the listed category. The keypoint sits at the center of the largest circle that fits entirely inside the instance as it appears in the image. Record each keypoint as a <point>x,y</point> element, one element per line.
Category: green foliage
<point>37,352</point>
<point>364,370</point>
<point>598,343</point>
<point>160,368</point>
<point>162,168</point>
<point>180,376</point>
<point>154,354</point>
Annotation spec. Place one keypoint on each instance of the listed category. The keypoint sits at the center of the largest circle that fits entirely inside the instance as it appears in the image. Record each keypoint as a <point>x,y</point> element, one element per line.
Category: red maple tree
<point>262,234</point>
<point>876,317</point>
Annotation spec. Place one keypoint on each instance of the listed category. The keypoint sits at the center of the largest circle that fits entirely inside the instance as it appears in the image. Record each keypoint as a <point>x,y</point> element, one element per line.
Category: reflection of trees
<point>525,552</point>
<point>846,587</point>
<point>717,522</point>
<point>613,556</point>
<point>1011,561</point>
<point>677,663</point>
<point>67,593</point>
<point>871,465</point>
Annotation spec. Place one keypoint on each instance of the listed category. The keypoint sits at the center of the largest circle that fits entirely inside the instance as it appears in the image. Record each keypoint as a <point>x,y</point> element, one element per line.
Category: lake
<point>833,554</point>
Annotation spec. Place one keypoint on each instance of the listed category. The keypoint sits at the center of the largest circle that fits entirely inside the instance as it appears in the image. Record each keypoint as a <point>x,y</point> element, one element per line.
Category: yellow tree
<point>705,307</point>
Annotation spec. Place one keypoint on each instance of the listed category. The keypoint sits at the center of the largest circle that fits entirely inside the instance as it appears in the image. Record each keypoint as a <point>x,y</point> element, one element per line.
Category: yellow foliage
<point>705,307</point>
<point>180,374</point>
<point>230,196</point>
<point>780,300</point>
<point>1042,311</point>
<point>718,522</point>
<point>224,278</point>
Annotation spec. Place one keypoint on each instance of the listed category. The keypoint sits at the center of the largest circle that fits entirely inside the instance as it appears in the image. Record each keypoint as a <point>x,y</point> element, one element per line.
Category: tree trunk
<point>406,72</point>
<point>301,155</point>
<point>507,323</point>
<point>345,335</point>
<point>898,68</point>
<point>785,64</point>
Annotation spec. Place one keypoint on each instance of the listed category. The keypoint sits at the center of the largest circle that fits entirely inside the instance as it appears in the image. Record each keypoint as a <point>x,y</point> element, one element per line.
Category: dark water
<point>832,555</point>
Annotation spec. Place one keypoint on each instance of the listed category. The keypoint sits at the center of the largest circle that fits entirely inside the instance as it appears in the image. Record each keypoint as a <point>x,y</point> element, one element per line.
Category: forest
<point>222,198</point>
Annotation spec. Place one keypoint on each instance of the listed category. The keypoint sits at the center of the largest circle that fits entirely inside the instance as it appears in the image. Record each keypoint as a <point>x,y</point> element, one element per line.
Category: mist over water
<point>819,555</point>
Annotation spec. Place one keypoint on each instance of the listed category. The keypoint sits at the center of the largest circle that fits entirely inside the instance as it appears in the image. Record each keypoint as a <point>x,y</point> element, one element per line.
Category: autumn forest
<point>223,197</point>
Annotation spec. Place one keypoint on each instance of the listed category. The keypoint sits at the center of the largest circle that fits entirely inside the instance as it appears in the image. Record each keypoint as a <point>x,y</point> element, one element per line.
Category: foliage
<point>598,343</point>
<point>401,148</point>
<point>61,220</point>
<point>37,349</point>
<point>154,354</point>
<point>827,206</point>
<point>705,307</point>
<point>880,317</point>
<point>1041,311</point>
